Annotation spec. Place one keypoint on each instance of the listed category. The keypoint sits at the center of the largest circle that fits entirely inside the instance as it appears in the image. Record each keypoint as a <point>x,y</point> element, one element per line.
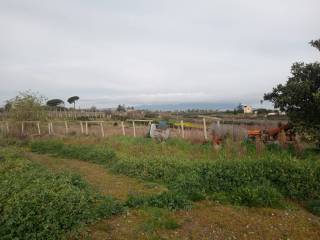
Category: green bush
<point>37,204</point>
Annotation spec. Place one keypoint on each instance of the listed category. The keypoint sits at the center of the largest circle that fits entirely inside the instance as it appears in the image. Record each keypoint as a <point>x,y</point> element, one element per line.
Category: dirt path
<point>99,177</point>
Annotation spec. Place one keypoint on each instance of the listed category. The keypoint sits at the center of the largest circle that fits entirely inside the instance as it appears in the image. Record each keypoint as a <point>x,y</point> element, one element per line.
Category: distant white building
<point>247,109</point>
<point>272,114</point>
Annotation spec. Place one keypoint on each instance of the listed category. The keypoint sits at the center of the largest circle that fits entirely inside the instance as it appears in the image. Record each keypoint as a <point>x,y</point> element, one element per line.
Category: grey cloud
<point>144,51</point>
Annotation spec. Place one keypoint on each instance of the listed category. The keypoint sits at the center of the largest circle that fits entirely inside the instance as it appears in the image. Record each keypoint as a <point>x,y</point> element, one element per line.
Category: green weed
<point>170,200</point>
<point>157,218</point>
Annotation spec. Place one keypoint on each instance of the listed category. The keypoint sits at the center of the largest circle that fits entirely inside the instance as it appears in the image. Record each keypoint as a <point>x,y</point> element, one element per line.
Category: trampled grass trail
<point>207,220</point>
<point>118,186</point>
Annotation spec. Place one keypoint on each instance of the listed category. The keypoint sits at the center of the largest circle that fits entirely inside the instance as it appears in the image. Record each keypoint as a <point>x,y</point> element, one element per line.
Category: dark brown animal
<point>274,132</point>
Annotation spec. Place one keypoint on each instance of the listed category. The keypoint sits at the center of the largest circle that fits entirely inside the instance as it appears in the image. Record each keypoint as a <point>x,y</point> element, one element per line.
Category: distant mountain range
<point>186,106</point>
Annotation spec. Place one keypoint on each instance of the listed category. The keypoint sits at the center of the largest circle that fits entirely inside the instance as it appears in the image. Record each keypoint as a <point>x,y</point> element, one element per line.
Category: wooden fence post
<point>123,130</point>
<point>7,126</point>
<point>86,128</point>
<point>38,126</point>
<point>49,128</point>
<point>205,129</point>
<point>66,125</point>
<point>134,129</point>
<point>81,125</point>
<point>22,128</point>
<point>102,131</point>
<point>182,129</point>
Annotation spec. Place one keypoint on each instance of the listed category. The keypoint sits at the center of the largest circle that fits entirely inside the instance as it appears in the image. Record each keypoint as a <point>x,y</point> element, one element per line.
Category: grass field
<point>135,188</point>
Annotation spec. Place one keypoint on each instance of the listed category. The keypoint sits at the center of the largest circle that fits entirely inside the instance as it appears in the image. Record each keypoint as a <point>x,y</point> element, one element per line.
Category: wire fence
<point>186,130</point>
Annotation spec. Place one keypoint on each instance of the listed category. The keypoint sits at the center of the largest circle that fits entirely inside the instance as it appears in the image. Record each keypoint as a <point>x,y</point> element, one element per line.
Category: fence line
<point>68,127</point>
<point>198,131</point>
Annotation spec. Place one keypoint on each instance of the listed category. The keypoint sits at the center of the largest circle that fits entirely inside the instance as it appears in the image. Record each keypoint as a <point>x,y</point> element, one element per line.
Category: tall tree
<point>238,109</point>
<point>72,100</point>
<point>300,97</point>
<point>121,108</point>
<point>55,103</point>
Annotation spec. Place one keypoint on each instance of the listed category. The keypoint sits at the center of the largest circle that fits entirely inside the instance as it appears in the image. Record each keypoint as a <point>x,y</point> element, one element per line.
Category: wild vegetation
<point>37,204</point>
<point>263,178</point>
<point>239,174</point>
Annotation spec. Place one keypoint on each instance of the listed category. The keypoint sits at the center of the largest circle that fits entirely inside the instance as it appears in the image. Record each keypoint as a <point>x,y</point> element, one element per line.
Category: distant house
<point>272,114</point>
<point>247,109</point>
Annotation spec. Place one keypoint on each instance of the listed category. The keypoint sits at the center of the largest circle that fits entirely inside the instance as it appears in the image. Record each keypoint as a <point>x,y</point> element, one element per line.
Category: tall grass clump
<point>37,204</point>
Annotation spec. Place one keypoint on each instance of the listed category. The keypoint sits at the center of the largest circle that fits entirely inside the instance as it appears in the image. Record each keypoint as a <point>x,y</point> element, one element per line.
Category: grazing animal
<point>273,133</point>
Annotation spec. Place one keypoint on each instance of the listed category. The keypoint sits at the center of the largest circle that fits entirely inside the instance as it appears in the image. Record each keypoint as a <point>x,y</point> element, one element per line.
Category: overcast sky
<point>153,51</point>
